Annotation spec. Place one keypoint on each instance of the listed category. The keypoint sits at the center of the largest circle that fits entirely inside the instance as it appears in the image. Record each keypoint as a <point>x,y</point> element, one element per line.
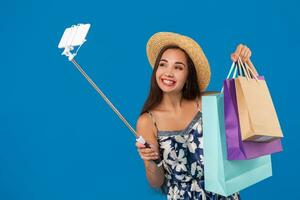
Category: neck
<point>172,102</point>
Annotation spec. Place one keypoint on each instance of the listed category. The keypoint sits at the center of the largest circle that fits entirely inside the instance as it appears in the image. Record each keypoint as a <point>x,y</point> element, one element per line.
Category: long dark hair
<point>190,90</point>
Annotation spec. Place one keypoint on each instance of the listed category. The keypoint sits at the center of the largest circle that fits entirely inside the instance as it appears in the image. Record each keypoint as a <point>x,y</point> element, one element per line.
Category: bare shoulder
<point>144,127</point>
<point>143,121</point>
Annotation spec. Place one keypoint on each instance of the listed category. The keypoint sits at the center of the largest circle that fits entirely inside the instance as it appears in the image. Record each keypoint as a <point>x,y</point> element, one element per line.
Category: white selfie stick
<point>75,36</point>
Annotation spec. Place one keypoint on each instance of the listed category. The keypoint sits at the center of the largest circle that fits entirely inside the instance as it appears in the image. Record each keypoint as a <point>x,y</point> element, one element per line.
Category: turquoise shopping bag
<point>223,176</point>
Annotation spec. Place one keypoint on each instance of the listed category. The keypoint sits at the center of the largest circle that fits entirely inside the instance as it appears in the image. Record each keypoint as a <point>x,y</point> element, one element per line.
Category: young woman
<point>171,118</point>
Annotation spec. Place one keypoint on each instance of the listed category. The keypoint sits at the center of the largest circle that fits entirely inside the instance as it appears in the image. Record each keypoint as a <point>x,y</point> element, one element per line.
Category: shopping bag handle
<point>247,70</point>
<point>241,69</point>
<point>251,69</point>
<point>252,72</point>
<point>233,69</point>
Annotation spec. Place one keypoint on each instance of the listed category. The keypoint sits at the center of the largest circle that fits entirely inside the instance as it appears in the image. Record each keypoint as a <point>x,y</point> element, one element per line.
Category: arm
<point>155,175</point>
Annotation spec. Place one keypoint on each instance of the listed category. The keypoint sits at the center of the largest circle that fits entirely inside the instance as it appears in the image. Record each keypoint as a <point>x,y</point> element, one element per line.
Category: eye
<point>178,67</point>
<point>161,64</point>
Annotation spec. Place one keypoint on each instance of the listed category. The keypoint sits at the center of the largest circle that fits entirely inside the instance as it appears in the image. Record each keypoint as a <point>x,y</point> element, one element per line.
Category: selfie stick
<point>75,36</point>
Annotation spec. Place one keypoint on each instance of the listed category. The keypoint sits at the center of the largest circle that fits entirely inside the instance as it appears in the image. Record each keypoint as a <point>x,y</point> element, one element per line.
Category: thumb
<point>234,57</point>
<point>139,145</point>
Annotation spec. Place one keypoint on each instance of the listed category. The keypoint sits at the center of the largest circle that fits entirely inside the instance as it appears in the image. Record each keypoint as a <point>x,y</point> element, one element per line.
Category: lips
<point>168,82</point>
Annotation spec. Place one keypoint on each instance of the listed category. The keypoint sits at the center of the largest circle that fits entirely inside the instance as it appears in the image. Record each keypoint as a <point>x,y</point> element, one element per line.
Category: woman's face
<point>172,71</point>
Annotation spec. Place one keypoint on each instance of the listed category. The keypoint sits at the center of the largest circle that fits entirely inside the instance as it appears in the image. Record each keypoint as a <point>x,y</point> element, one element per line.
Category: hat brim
<point>161,39</point>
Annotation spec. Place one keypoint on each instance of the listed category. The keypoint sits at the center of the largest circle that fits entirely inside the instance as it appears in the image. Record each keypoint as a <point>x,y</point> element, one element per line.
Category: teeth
<point>168,81</point>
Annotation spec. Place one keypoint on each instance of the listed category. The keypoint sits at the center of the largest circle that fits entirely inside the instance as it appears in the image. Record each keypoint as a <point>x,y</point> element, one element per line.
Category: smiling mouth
<point>168,82</point>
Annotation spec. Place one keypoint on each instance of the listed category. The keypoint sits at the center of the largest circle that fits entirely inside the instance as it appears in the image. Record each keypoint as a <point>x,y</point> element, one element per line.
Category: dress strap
<point>154,122</point>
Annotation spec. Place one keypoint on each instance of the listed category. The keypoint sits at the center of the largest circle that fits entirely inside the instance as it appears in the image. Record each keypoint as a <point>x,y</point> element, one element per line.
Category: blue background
<point>60,140</point>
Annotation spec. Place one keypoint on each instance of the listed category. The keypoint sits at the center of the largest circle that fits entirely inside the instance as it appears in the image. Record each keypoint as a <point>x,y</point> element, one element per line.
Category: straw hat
<point>162,39</point>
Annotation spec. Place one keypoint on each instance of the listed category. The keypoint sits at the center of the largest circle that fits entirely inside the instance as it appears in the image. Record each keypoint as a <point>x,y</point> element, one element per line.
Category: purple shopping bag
<point>236,148</point>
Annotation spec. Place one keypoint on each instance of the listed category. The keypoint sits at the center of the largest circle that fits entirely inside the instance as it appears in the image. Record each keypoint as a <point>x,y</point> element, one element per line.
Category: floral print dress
<point>182,160</point>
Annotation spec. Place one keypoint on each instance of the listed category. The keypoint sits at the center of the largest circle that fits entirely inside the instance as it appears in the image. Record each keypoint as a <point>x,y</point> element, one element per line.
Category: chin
<point>172,90</point>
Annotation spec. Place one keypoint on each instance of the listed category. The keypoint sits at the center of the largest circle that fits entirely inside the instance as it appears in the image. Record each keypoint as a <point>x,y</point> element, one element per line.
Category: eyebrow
<point>175,62</point>
<point>163,60</point>
<point>180,63</point>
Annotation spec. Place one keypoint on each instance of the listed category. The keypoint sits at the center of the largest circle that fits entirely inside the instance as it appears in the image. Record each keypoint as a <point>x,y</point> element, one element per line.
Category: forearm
<point>155,175</point>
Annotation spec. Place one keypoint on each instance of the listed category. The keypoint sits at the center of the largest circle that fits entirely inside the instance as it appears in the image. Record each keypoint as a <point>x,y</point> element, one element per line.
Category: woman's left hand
<point>243,52</point>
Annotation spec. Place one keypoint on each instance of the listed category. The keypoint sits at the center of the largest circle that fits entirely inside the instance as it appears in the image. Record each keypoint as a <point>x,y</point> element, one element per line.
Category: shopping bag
<point>223,176</point>
<point>257,116</point>
<point>236,148</point>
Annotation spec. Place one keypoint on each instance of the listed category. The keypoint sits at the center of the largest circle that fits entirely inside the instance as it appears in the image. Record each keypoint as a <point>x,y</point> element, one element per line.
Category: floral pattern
<point>183,162</point>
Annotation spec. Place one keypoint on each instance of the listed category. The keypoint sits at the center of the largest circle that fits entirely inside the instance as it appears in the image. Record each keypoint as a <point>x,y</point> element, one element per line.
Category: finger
<point>247,56</point>
<point>153,157</point>
<point>246,52</point>
<point>236,54</point>
<point>239,49</point>
<point>148,153</point>
<point>154,154</point>
<point>146,150</point>
<point>148,158</point>
<point>144,157</point>
<point>243,52</point>
<point>140,145</point>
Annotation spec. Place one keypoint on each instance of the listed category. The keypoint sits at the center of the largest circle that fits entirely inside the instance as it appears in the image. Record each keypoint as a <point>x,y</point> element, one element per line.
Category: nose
<point>169,72</point>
